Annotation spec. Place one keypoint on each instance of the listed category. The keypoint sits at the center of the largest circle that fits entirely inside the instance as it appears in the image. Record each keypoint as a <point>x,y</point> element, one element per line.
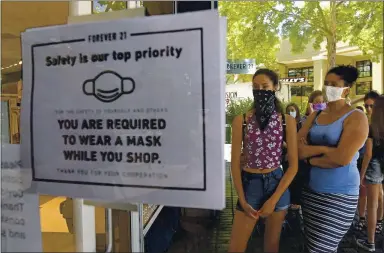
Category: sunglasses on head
<point>368,106</point>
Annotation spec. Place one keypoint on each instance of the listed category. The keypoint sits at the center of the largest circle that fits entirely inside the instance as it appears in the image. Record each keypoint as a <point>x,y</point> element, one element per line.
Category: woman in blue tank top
<point>330,142</point>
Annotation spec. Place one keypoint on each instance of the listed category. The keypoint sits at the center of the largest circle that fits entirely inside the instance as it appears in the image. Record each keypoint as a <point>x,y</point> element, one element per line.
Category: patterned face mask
<point>264,105</point>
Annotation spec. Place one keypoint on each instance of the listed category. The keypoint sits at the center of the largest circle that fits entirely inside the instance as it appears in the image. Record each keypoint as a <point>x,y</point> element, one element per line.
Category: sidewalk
<point>215,238</point>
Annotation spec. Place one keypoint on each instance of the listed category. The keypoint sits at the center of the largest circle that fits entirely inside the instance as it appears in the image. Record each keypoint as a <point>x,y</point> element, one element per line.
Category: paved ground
<point>214,235</point>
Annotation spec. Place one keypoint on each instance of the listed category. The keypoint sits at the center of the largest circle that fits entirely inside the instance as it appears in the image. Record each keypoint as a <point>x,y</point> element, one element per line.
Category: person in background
<point>261,185</point>
<point>372,173</point>
<point>293,110</point>
<point>369,100</point>
<point>334,139</point>
<point>315,103</point>
<point>360,108</point>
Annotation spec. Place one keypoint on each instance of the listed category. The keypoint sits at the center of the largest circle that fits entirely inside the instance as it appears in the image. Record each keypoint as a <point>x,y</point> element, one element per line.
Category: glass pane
<point>295,91</point>
<point>106,6</point>
<point>291,72</point>
<point>5,122</point>
<point>307,90</point>
<point>363,88</point>
<point>367,68</point>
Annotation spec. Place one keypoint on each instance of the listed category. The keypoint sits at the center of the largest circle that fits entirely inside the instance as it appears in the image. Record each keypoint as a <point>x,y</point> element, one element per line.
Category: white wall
<point>377,76</point>
<point>244,90</point>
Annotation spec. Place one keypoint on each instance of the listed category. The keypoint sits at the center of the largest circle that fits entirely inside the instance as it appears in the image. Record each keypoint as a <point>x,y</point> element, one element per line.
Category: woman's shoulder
<point>239,119</point>
<point>355,114</point>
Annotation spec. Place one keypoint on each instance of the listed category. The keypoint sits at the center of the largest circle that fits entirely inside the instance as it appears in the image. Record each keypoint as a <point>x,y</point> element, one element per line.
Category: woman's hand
<point>248,210</point>
<point>268,208</point>
<point>303,141</point>
<point>310,109</point>
<point>242,161</point>
<point>362,177</point>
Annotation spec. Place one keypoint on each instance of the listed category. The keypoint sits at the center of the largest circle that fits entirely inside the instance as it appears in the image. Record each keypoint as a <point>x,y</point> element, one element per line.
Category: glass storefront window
<point>106,6</point>
<point>365,68</point>
<point>5,122</point>
<point>363,88</point>
<point>300,94</point>
<point>306,72</point>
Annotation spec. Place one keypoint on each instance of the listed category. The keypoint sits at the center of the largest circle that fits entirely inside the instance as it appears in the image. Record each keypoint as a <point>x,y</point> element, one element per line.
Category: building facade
<point>311,65</point>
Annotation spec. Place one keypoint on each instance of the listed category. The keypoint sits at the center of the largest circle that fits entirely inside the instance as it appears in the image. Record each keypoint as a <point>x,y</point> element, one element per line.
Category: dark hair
<point>296,108</point>
<point>360,108</point>
<point>371,95</point>
<point>314,95</point>
<point>377,120</point>
<point>347,72</point>
<point>274,77</point>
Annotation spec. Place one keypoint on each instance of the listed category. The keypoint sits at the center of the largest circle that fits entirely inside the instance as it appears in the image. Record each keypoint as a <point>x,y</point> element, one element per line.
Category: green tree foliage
<point>237,107</point>
<point>253,31</point>
<point>105,6</point>
<point>367,31</point>
<point>254,27</point>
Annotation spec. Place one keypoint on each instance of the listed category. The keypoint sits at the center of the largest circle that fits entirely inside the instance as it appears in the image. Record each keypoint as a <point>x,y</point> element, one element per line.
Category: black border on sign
<point>34,178</point>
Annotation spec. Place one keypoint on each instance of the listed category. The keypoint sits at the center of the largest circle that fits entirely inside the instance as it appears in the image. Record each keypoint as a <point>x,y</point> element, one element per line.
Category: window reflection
<point>107,6</point>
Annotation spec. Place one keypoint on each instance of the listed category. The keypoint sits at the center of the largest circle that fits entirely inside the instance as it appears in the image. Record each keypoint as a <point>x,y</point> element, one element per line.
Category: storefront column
<point>319,71</point>
<point>377,76</point>
<point>84,225</point>
<point>78,8</point>
<point>83,215</point>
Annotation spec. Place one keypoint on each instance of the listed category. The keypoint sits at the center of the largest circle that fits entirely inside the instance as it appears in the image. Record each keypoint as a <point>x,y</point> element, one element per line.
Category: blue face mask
<point>293,114</point>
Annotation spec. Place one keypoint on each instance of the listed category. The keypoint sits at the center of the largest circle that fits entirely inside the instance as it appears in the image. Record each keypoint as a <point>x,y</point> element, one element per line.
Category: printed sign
<point>20,217</point>
<point>127,109</point>
<point>246,66</point>
<point>293,80</point>
<point>229,96</point>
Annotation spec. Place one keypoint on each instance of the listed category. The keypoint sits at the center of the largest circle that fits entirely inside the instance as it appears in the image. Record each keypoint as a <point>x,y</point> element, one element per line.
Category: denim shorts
<point>258,188</point>
<point>374,174</point>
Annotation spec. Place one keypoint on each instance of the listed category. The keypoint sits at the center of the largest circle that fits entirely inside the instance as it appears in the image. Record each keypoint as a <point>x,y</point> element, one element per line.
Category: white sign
<point>293,80</point>
<point>127,109</point>
<point>20,217</point>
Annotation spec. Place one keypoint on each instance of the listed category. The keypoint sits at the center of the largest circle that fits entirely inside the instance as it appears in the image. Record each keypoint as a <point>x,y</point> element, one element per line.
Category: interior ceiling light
<point>13,65</point>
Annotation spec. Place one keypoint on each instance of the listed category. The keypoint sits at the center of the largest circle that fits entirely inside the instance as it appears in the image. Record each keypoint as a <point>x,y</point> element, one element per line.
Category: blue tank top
<point>342,180</point>
<point>362,151</point>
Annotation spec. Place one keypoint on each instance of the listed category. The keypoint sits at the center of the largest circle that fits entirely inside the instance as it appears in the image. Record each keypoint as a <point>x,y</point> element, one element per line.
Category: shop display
<point>5,122</point>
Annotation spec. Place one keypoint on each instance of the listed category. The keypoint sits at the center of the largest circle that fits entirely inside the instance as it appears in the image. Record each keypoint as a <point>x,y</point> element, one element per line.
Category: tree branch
<point>323,18</point>
<point>340,3</point>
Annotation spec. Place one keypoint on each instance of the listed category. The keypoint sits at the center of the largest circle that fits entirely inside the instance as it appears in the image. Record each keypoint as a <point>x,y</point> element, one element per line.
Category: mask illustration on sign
<point>319,107</point>
<point>108,86</point>
<point>334,93</point>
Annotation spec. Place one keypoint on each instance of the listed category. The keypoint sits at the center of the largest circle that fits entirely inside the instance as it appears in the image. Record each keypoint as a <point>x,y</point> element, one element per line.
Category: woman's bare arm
<point>306,151</point>
<point>237,137</point>
<point>367,157</point>
<point>291,137</point>
<point>355,133</point>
